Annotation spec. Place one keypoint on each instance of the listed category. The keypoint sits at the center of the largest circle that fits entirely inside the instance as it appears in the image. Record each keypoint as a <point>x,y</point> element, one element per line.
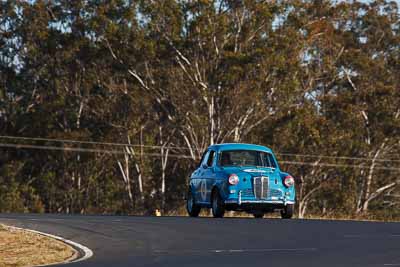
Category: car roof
<point>239,146</point>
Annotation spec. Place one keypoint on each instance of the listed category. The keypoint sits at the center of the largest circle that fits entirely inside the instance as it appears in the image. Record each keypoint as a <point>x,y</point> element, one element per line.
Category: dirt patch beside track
<point>24,248</point>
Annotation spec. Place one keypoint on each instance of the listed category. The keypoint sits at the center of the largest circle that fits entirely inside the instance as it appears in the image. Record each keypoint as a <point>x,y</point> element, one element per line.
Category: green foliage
<point>309,78</point>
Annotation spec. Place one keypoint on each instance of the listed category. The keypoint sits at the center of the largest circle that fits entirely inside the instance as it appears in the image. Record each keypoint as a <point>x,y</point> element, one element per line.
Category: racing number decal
<point>203,190</point>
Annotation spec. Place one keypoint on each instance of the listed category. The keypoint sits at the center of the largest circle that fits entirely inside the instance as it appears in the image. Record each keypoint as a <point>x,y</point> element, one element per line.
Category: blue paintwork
<point>206,179</point>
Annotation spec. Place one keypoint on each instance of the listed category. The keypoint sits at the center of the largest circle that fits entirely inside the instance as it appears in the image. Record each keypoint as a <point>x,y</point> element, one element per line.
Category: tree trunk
<point>125,176</point>
<point>211,120</point>
<point>367,190</point>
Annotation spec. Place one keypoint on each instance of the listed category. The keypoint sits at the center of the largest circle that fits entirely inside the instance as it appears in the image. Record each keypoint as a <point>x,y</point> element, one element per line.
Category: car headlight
<point>233,179</point>
<point>288,181</point>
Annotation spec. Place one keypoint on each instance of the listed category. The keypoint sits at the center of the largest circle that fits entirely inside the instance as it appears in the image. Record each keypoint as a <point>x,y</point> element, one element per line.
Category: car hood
<point>250,171</point>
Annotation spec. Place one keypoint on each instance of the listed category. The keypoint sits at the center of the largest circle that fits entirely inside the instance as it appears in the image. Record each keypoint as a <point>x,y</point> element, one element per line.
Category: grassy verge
<point>23,248</point>
<point>181,211</point>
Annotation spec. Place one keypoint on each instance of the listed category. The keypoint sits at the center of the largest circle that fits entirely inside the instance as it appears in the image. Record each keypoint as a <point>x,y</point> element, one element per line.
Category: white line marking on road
<point>391,264</point>
<point>268,250</point>
<point>87,252</point>
<point>237,250</point>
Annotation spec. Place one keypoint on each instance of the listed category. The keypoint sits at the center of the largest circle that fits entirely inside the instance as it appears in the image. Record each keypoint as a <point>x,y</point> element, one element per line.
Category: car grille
<point>275,193</point>
<point>261,187</point>
<point>248,193</point>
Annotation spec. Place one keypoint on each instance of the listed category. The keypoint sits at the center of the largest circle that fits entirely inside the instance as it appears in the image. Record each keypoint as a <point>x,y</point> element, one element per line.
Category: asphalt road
<point>208,242</point>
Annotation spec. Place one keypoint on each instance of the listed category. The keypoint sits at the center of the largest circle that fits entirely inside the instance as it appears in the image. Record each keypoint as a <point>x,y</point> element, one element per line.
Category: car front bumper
<point>249,201</point>
<point>239,200</point>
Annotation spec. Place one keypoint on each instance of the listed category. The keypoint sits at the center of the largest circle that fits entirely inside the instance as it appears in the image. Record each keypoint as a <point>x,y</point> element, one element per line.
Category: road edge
<point>83,252</point>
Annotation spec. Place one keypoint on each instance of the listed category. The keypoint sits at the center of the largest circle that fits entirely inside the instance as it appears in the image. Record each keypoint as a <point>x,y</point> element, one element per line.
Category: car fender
<point>292,189</point>
<point>221,186</point>
<point>192,187</point>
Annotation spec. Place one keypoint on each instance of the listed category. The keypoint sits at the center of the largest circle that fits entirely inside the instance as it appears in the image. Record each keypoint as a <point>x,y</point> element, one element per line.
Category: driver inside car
<point>226,159</point>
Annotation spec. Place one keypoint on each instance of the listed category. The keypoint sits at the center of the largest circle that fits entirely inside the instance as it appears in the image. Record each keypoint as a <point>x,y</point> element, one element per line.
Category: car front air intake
<point>261,187</point>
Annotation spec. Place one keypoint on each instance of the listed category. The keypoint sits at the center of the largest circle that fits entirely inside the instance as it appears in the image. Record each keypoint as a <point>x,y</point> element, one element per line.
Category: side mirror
<point>204,166</point>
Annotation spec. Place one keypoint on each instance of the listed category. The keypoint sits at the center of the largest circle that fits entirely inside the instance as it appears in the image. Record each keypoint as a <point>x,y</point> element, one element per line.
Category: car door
<point>196,176</point>
<point>199,179</point>
<point>208,177</point>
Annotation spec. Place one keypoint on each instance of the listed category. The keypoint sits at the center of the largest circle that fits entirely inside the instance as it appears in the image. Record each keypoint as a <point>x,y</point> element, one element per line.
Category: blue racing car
<point>240,177</point>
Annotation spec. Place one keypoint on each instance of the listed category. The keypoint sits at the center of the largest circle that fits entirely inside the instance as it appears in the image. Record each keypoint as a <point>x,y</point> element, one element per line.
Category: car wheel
<point>258,215</point>
<point>218,208</point>
<point>192,208</point>
<point>287,212</point>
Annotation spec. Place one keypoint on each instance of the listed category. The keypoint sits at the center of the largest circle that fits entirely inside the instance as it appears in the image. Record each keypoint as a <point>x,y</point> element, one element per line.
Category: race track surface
<point>208,242</point>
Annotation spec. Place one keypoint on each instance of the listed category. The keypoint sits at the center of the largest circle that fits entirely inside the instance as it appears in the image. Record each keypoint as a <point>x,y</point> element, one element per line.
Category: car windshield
<point>246,158</point>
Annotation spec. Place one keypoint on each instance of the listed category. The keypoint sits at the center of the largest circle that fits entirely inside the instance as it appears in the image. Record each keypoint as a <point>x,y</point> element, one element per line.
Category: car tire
<point>192,208</point>
<point>287,211</point>
<point>217,205</point>
<point>258,215</point>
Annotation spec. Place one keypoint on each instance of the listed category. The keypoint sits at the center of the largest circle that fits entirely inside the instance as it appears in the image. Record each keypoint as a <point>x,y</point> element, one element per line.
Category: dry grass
<point>23,248</point>
<point>181,211</point>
